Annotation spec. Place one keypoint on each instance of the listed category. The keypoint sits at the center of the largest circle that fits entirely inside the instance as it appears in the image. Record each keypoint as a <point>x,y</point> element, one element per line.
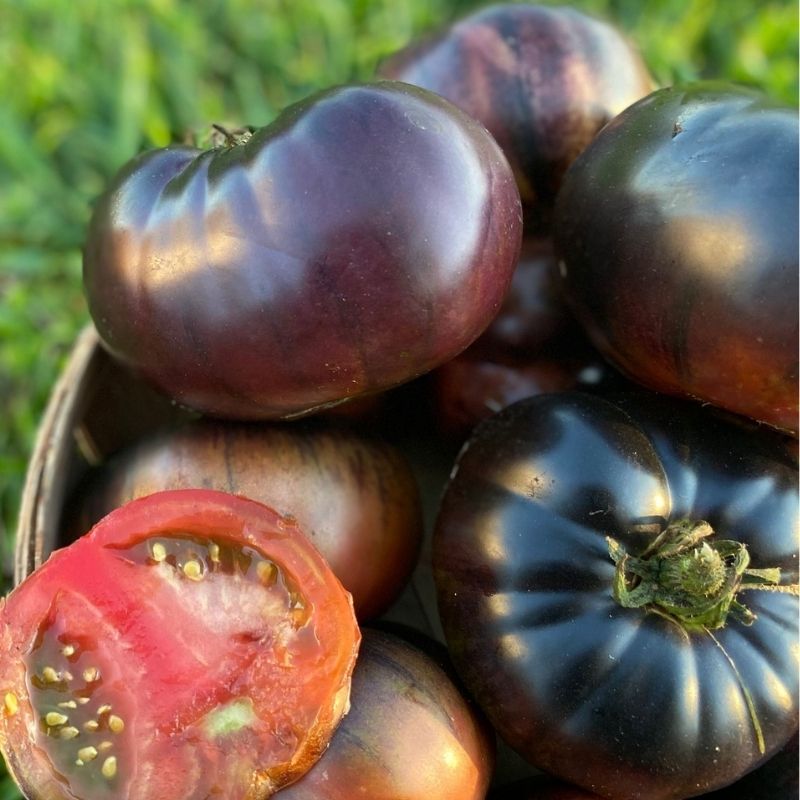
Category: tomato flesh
<point>193,645</point>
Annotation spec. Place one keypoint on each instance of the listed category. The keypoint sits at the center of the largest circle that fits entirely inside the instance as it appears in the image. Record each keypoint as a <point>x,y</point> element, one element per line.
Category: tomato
<point>533,345</point>
<point>678,231</point>
<point>542,80</point>
<point>354,496</point>
<point>364,237</point>
<point>535,312</point>
<point>591,561</point>
<point>778,779</point>
<point>192,645</point>
<point>468,389</point>
<point>410,734</point>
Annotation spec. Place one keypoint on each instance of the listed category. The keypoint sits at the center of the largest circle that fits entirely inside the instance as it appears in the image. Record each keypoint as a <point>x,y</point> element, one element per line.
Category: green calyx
<point>218,137</point>
<point>690,579</point>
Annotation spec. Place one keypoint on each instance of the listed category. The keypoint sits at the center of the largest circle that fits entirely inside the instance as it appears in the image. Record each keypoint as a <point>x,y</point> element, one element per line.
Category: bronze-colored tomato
<point>410,734</point>
<point>355,497</point>
<point>535,314</point>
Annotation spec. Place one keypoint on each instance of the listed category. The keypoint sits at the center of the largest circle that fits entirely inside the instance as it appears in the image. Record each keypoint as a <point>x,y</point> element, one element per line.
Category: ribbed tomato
<point>617,581</point>
<point>364,237</point>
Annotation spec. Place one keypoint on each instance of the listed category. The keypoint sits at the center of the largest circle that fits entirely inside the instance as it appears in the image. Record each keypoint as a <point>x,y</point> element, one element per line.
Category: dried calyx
<point>687,576</point>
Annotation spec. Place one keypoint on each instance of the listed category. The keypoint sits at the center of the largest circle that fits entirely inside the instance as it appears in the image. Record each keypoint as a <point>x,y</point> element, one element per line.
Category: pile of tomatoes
<point>509,315</point>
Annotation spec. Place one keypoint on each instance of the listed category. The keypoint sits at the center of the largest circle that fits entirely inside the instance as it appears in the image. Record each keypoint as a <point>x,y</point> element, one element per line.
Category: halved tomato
<point>193,645</point>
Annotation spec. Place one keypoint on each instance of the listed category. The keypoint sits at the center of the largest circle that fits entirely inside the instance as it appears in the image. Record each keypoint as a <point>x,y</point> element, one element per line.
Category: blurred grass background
<point>86,84</point>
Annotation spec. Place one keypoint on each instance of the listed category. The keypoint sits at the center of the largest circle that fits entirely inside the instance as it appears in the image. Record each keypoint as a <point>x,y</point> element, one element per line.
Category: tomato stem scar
<point>690,579</point>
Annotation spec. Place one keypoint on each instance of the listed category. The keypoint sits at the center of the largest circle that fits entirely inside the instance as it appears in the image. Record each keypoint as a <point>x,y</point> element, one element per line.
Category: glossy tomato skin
<point>619,701</point>
<point>354,496</point>
<point>534,313</point>
<point>468,389</point>
<point>410,734</point>
<point>364,237</point>
<point>542,80</point>
<point>534,345</point>
<point>194,644</point>
<point>678,231</point>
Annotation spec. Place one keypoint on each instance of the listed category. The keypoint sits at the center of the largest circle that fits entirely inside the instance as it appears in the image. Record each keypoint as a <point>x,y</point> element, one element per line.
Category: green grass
<point>86,84</point>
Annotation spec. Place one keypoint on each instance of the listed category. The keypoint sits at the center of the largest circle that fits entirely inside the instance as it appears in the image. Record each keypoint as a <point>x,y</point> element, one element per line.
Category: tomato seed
<point>11,704</point>
<point>193,570</point>
<point>87,754</point>
<point>49,675</point>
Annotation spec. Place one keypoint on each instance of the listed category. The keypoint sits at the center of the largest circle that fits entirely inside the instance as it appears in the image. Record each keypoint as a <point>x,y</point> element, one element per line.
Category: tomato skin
<point>777,779</point>
<point>542,80</point>
<point>364,237</point>
<point>622,702</point>
<point>535,312</point>
<point>468,389</point>
<point>169,673</point>
<point>534,345</point>
<point>355,497</point>
<point>409,734</point>
<point>678,231</point>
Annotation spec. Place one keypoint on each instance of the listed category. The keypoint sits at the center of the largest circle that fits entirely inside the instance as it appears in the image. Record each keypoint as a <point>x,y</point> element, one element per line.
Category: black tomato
<point>617,582</point>
<point>366,236</point>
<point>678,232</point>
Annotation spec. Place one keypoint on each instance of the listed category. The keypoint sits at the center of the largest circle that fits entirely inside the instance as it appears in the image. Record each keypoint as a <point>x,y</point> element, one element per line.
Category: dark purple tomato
<point>678,231</point>
<point>366,236</point>
<point>542,80</point>
<point>534,311</point>
<point>534,345</point>
<point>467,390</point>
<point>617,582</point>
<point>354,496</point>
<point>410,734</point>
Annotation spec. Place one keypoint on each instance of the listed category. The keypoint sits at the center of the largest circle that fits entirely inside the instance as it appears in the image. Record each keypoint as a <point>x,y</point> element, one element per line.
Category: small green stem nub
<point>689,578</point>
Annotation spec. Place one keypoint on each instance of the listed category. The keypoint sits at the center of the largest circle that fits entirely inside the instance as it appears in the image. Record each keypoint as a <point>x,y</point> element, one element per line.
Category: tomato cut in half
<point>192,645</point>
